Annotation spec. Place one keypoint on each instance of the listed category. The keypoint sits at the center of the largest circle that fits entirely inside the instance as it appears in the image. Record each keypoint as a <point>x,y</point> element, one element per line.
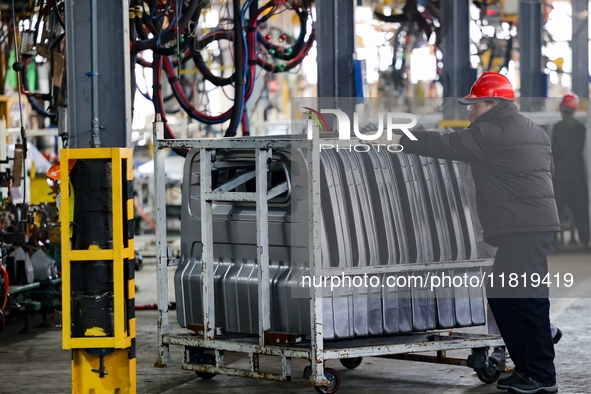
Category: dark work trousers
<point>575,195</point>
<point>524,323</point>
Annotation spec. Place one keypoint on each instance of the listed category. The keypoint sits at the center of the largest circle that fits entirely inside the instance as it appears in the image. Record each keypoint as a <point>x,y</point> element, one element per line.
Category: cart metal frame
<point>316,350</point>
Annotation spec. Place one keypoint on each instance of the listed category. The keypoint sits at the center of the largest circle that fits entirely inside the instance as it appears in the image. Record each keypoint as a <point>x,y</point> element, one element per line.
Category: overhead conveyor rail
<point>204,349</point>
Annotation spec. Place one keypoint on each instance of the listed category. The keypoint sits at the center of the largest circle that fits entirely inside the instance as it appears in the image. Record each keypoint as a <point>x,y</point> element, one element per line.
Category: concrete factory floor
<point>36,363</point>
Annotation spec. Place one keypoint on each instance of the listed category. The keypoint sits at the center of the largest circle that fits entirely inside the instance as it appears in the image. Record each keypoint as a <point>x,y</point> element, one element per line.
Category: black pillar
<point>455,47</point>
<point>114,73</point>
<point>335,29</point>
<point>530,54</point>
<point>580,48</point>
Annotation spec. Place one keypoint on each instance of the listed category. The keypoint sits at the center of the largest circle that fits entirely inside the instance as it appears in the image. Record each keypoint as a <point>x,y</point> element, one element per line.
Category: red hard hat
<point>490,85</point>
<point>570,100</point>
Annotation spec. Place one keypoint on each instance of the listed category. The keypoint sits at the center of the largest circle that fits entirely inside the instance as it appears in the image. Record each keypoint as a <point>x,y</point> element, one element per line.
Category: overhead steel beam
<point>112,73</point>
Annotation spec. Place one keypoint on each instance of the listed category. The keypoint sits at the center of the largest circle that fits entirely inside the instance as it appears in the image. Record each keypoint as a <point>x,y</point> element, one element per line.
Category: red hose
<point>158,95</point>
<point>6,284</point>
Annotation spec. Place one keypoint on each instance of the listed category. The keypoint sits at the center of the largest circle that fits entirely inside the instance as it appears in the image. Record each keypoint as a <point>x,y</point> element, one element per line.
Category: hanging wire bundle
<point>173,32</point>
<point>169,30</point>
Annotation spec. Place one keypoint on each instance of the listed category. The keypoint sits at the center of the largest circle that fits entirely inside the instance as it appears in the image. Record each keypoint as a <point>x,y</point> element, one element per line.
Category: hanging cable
<point>18,66</point>
<point>31,97</point>
<point>247,42</point>
<point>239,47</point>
<point>5,285</point>
<point>159,104</point>
<point>170,34</point>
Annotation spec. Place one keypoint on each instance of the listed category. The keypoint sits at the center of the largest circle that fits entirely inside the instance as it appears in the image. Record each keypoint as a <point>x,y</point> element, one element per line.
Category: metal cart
<point>204,349</point>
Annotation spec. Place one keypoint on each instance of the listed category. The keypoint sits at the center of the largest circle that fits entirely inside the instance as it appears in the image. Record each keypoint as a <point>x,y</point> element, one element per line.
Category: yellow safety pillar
<point>98,287</point>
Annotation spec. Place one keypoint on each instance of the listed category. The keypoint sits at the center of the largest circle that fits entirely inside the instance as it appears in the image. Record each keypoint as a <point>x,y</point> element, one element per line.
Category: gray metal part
<point>484,250</point>
<point>375,309</point>
<point>234,222</point>
<point>446,303</point>
<point>356,224</point>
<point>393,192</point>
<point>437,210</point>
<point>462,304</point>
<point>466,213</point>
<point>373,295</point>
<point>339,238</point>
<point>446,307</point>
<point>188,292</point>
<point>410,211</point>
<point>337,208</point>
<point>386,234</point>
<point>245,307</point>
<point>43,266</point>
<point>390,222</point>
<point>477,306</point>
<point>458,238</point>
<point>358,230</point>
<point>419,200</point>
<point>361,192</point>
<point>359,203</point>
<point>423,305</point>
<point>21,259</point>
<point>423,301</point>
<point>469,300</point>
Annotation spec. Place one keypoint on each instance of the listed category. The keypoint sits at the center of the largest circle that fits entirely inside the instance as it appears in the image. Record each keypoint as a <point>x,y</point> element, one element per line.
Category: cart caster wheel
<point>351,363</point>
<point>335,382</point>
<point>209,360</point>
<point>487,375</point>
<point>307,372</point>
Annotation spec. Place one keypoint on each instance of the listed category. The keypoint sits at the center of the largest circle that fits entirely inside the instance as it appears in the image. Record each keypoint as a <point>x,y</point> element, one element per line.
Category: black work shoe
<point>503,384</point>
<point>530,386</point>
<point>557,337</point>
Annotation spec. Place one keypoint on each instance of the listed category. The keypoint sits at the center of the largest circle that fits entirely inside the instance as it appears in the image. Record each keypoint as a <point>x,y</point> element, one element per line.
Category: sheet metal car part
<point>316,350</point>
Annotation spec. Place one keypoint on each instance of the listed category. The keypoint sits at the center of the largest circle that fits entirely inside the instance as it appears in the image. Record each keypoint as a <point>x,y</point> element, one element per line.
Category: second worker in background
<point>570,183</point>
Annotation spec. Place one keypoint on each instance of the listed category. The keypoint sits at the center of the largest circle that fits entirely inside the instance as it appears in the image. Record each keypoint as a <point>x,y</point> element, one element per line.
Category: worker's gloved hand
<point>383,140</point>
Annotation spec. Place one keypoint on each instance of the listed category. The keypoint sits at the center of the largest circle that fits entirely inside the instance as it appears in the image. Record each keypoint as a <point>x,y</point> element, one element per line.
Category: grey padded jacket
<point>511,159</point>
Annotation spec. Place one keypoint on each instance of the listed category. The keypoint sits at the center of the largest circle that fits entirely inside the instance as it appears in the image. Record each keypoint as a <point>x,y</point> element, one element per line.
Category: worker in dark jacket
<point>570,184</point>
<point>511,161</point>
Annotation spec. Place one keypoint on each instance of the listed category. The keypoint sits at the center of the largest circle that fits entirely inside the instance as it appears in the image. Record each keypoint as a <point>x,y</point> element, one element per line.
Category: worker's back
<point>568,142</point>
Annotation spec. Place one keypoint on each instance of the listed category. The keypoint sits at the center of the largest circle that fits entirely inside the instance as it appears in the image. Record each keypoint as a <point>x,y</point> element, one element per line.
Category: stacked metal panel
<point>378,208</point>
